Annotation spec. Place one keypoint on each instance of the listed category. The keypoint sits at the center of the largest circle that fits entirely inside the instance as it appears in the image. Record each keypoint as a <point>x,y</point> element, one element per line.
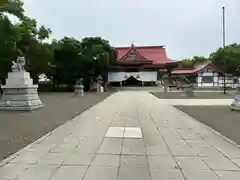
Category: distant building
<point>140,65</point>
<point>206,75</point>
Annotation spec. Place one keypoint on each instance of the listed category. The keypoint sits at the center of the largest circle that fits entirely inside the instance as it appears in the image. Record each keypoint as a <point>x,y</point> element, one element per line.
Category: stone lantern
<point>79,88</point>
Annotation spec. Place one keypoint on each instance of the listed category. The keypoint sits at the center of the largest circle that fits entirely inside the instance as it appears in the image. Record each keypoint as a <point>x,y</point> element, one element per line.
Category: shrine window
<point>207,79</point>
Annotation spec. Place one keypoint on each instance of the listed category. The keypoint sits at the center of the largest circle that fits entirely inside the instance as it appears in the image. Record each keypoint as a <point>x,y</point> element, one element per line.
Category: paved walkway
<point>174,146</point>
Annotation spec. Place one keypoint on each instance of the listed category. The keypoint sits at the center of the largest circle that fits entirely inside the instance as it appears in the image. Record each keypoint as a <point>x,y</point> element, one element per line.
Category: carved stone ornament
<point>19,65</point>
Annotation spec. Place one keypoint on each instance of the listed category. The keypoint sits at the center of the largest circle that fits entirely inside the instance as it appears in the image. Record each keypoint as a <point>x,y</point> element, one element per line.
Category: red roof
<point>153,54</point>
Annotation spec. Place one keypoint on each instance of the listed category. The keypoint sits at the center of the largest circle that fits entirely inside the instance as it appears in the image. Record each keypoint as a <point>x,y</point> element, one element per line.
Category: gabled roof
<point>132,51</point>
<point>152,54</point>
<point>196,69</point>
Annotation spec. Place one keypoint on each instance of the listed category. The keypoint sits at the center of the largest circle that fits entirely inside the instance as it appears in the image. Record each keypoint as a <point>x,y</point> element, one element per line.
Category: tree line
<point>64,61</point>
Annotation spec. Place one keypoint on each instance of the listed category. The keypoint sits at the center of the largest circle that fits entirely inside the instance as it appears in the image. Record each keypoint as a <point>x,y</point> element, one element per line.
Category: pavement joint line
<point>218,134</point>
<point>176,166</point>
<point>54,172</point>
<point>212,130</point>
<point>144,145</point>
<point>196,153</point>
<point>121,149</point>
<point>88,167</point>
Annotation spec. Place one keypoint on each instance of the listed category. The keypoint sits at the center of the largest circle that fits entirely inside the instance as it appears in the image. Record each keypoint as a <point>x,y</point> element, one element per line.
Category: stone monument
<point>236,101</point>
<point>99,82</point>
<point>19,93</point>
<point>79,88</point>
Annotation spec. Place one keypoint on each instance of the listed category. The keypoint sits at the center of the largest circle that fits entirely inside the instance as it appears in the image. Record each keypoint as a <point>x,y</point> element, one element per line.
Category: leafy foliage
<point>227,59</point>
<point>87,59</point>
<point>13,7</point>
<point>191,62</point>
<point>8,49</point>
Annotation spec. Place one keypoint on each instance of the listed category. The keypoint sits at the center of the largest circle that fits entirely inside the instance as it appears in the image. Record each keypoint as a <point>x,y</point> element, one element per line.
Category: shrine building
<point>140,65</point>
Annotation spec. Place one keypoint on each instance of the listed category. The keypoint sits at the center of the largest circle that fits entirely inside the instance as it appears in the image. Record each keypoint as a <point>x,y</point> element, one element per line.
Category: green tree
<point>64,60</point>
<point>13,7</point>
<point>65,66</point>
<point>227,59</point>
<point>187,63</point>
<point>98,55</point>
<point>29,43</point>
<point>191,62</point>
<point>87,59</point>
<point>8,49</point>
<point>199,59</point>
<point>43,33</point>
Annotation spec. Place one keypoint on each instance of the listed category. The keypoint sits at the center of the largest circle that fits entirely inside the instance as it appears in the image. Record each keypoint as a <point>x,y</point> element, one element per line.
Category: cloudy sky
<point>185,27</point>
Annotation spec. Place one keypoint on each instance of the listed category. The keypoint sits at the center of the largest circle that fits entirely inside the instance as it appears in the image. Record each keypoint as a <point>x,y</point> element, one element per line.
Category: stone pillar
<point>99,81</point>
<point>120,83</point>
<point>165,83</point>
<point>236,101</point>
<point>142,83</point>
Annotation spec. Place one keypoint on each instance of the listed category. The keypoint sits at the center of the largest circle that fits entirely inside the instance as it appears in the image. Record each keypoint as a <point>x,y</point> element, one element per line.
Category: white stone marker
<point>132,132</point>
<point>124,132</point>
<point>115,132</point>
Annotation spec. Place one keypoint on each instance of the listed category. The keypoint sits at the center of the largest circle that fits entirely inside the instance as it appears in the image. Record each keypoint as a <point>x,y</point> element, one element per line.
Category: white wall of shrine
<point>213,79</point>
<point>144,76</point>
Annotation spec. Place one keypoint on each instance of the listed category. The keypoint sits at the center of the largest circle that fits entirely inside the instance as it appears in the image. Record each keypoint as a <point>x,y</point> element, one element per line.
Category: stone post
<point>165,83</point>
<point>99,81</point>
<point>236,101</point>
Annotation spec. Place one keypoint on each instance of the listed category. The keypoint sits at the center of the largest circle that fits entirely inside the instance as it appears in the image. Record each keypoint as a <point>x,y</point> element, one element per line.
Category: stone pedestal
<point>165,88</point>
<point>79,90</point>
<point>236,101</point>
<point>19,93</point>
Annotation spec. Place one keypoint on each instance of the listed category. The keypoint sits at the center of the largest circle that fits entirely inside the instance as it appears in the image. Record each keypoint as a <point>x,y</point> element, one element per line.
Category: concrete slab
<point>115,132</point>
<point>132,132</point>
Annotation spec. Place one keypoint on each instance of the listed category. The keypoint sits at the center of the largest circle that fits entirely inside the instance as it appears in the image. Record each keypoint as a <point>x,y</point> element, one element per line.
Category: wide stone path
<point>173,146</point>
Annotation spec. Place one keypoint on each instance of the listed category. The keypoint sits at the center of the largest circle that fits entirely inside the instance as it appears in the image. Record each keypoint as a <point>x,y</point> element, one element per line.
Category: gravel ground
<point>18,129</point>
<point>197,95</point>
<point>219,118</point>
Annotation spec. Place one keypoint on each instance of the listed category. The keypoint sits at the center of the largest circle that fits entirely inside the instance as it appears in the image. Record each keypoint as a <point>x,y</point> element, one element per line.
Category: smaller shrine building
<point>206,75</point>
